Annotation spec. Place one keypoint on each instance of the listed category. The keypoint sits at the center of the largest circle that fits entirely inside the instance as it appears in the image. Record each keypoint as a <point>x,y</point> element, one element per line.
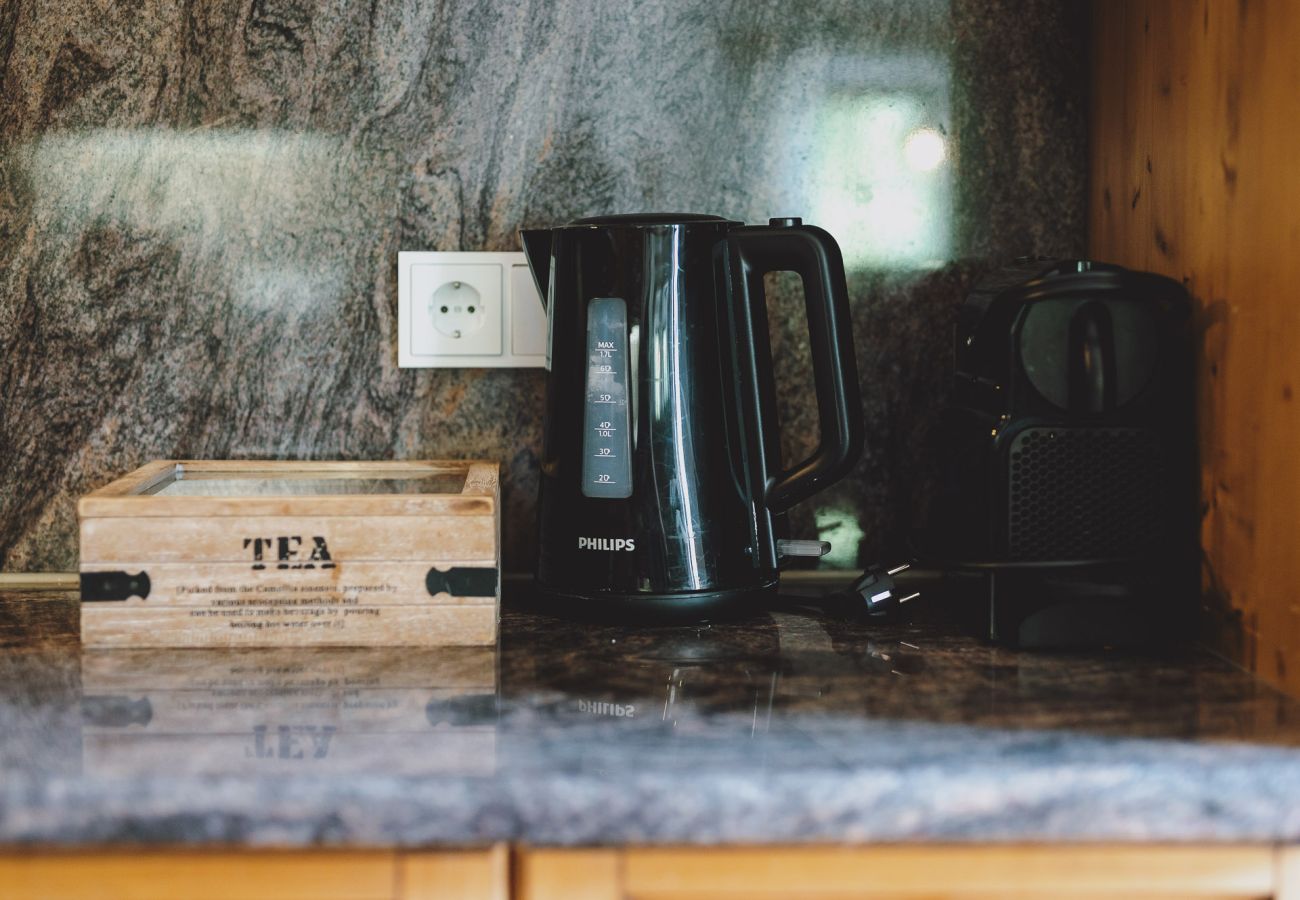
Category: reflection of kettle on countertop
<point>649,678</point>
<point>662,491</point>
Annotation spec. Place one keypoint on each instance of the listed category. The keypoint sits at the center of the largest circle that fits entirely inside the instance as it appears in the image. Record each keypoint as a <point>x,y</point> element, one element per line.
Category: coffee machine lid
<point>648,220</point>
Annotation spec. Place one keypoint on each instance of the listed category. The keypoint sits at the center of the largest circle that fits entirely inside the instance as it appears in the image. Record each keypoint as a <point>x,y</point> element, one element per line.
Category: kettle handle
<point>787,245</point>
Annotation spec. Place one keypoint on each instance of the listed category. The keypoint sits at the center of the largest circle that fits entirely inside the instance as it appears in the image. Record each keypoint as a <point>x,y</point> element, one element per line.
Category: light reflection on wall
<point>887,190</point>
<point>205,192</point>
<point>839,525</point>
<point>861,145</point>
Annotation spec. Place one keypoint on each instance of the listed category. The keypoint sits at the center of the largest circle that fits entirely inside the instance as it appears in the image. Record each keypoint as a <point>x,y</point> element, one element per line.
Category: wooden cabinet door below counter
<point>889,872</point>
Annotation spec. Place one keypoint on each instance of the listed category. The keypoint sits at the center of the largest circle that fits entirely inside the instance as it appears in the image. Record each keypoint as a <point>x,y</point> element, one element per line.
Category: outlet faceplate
<point>468,310</point>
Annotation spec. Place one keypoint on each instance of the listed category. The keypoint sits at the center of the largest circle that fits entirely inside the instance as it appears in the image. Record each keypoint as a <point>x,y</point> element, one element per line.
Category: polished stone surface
<point>201,206</point>
<point>783,728</point>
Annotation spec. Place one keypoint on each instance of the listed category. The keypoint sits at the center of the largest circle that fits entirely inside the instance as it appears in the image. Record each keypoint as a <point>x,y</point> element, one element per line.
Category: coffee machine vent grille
<point>1084,493</point>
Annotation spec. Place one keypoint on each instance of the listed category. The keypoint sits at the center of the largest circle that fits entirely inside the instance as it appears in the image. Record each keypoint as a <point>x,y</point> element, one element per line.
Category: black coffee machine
<point>662,490</point>
<point>1071,477</point>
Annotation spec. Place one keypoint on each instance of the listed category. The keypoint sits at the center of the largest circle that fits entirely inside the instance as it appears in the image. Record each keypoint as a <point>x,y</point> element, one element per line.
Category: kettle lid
<point>639,220</point>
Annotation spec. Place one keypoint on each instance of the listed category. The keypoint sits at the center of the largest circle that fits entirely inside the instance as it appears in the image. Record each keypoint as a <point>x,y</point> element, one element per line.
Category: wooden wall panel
<point>1196,174</point>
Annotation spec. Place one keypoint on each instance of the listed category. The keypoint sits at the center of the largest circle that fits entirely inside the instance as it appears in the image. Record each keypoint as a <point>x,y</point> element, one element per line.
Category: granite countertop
<point>785,728</point>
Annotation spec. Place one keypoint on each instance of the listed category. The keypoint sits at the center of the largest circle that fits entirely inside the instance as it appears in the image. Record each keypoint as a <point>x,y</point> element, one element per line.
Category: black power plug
<point>876,594</point>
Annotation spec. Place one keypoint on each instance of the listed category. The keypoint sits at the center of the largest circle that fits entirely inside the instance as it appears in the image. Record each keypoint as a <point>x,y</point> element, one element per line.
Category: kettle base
<point>678,608</point>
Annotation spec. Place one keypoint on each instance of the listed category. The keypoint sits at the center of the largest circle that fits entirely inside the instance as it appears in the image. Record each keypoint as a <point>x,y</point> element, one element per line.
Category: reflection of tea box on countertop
<point>292,710</point>
<point>292,553</point>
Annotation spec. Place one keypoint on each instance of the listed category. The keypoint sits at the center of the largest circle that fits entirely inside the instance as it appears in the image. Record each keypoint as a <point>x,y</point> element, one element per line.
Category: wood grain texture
<point>139,481</point>
<point>109,625</point>
<point>332,875</point>
<point>455,875</point>
<point>287,671</point>
<point>131,494</point>
<point>226,585</point>
<point>874,873</point>
<point>594,874</point>
<point>870,873</point>
<point>1043,871</point>
<point>40,581</point>
<point>340,505</point>
<point>1194,175</point>
<point>200,876</point>
<point>221,538</point>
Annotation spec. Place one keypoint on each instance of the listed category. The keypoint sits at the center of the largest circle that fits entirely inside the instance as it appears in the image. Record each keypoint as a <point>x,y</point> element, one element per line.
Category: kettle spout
<point>537,248</point>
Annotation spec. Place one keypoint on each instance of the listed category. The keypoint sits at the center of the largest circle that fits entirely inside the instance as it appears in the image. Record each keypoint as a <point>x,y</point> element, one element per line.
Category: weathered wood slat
<point>241,539</point>
<point>347,583</point>
<point>109,625</point>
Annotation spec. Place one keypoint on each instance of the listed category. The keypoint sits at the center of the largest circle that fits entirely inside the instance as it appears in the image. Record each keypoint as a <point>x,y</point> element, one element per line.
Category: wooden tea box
<point>325,554</point>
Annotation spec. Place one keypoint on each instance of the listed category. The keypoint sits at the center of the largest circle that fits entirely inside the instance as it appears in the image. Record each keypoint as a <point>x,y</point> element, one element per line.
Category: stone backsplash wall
<point>201,205</point>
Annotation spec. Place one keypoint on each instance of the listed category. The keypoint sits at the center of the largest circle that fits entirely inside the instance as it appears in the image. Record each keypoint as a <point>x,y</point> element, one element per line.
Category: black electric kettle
<point>662,491</point>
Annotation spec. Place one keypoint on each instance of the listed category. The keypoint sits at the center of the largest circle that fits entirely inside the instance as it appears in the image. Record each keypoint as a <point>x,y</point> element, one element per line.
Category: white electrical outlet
<point>468,310</point>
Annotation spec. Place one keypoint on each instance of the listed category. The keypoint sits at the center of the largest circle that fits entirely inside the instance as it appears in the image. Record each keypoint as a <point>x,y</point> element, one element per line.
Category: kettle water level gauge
<point>606,445</point>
